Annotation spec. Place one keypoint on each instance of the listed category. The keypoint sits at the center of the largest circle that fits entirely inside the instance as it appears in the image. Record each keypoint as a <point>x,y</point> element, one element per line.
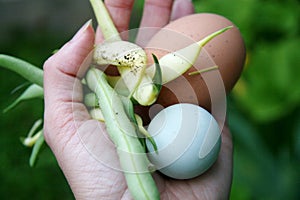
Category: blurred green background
<point>263,109</point>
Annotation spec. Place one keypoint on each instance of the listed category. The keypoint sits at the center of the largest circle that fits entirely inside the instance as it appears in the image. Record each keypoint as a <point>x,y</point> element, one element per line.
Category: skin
<point>66,117</point>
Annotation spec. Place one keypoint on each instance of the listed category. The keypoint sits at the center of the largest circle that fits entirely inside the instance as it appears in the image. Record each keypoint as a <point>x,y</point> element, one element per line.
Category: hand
<point>75,138</point>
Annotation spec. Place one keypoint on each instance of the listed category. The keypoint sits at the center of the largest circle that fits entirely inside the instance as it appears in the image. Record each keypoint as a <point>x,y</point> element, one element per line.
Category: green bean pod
<point>33,91</point>
<point>23,68</point>
<point>133,159</point>
<point>176,63</point>
<point>131,62</point>
<point>105,22</point>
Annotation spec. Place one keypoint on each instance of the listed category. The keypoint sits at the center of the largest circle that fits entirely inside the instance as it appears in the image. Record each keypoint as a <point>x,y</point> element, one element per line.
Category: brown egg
<point>227,51</point>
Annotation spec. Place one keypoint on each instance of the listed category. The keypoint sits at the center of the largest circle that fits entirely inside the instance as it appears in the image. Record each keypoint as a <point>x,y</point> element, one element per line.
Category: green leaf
<point>157,78</point>
<point>272,81</point>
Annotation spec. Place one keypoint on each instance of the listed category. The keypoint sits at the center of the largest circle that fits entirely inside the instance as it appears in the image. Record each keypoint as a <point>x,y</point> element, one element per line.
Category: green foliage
<point>264,168</point>
<point>271,31</point>
<point>264,108</point>
<point>272,80</point>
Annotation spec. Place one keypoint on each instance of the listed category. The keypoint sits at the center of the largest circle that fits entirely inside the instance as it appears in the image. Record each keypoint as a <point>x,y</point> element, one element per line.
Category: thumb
<point>62,88</point>
<point>61,69</point>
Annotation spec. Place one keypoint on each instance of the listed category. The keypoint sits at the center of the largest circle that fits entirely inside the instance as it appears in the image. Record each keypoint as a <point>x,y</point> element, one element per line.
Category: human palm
<point>81,145</point>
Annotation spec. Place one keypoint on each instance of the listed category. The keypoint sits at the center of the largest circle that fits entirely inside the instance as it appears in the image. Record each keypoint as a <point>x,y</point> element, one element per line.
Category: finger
<point>182,8</point>
<point>120,12</point>
<point>63,93</point>
<point>156,14</point>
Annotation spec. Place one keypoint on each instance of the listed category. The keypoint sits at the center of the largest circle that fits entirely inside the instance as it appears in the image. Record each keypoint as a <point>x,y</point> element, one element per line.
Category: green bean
<point>33,129</point>
<point>105,22</point>
<point>33,91</point>
<point>35,76</point>
<point>138,122</point>
<point>91,100</point>
<point>118,84</point>
<point>176,63</point>
<point>36,149</point>
<point>121,130</point>
<point>203,70</point>
<point>23,68</point>
<point>133,160</point>
<point>120,87</point>
<point>34,138</point>
<point>96,113</point>
<point>131,60</point>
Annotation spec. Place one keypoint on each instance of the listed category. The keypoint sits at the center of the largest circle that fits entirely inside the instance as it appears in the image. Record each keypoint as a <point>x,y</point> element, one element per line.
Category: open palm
<point>87,158</point>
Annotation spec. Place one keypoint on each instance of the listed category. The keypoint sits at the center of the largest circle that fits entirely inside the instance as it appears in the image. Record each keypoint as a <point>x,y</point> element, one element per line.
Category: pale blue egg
<point>188,141</point>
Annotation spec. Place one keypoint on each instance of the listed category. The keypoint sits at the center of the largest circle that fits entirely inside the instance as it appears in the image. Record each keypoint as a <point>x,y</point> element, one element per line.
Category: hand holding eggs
<point>187,136</point>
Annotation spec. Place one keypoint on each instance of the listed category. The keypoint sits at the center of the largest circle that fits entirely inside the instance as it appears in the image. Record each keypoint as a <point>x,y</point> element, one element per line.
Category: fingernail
<point>82,29</point>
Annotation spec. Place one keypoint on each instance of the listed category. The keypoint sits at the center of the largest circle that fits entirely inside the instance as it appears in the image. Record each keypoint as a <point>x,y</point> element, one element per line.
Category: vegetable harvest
<point>112,99</point>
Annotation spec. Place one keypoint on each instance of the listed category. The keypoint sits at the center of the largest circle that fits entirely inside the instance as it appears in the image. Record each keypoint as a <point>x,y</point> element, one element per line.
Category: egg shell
<point>227,51</point>
<point>188,141</point>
